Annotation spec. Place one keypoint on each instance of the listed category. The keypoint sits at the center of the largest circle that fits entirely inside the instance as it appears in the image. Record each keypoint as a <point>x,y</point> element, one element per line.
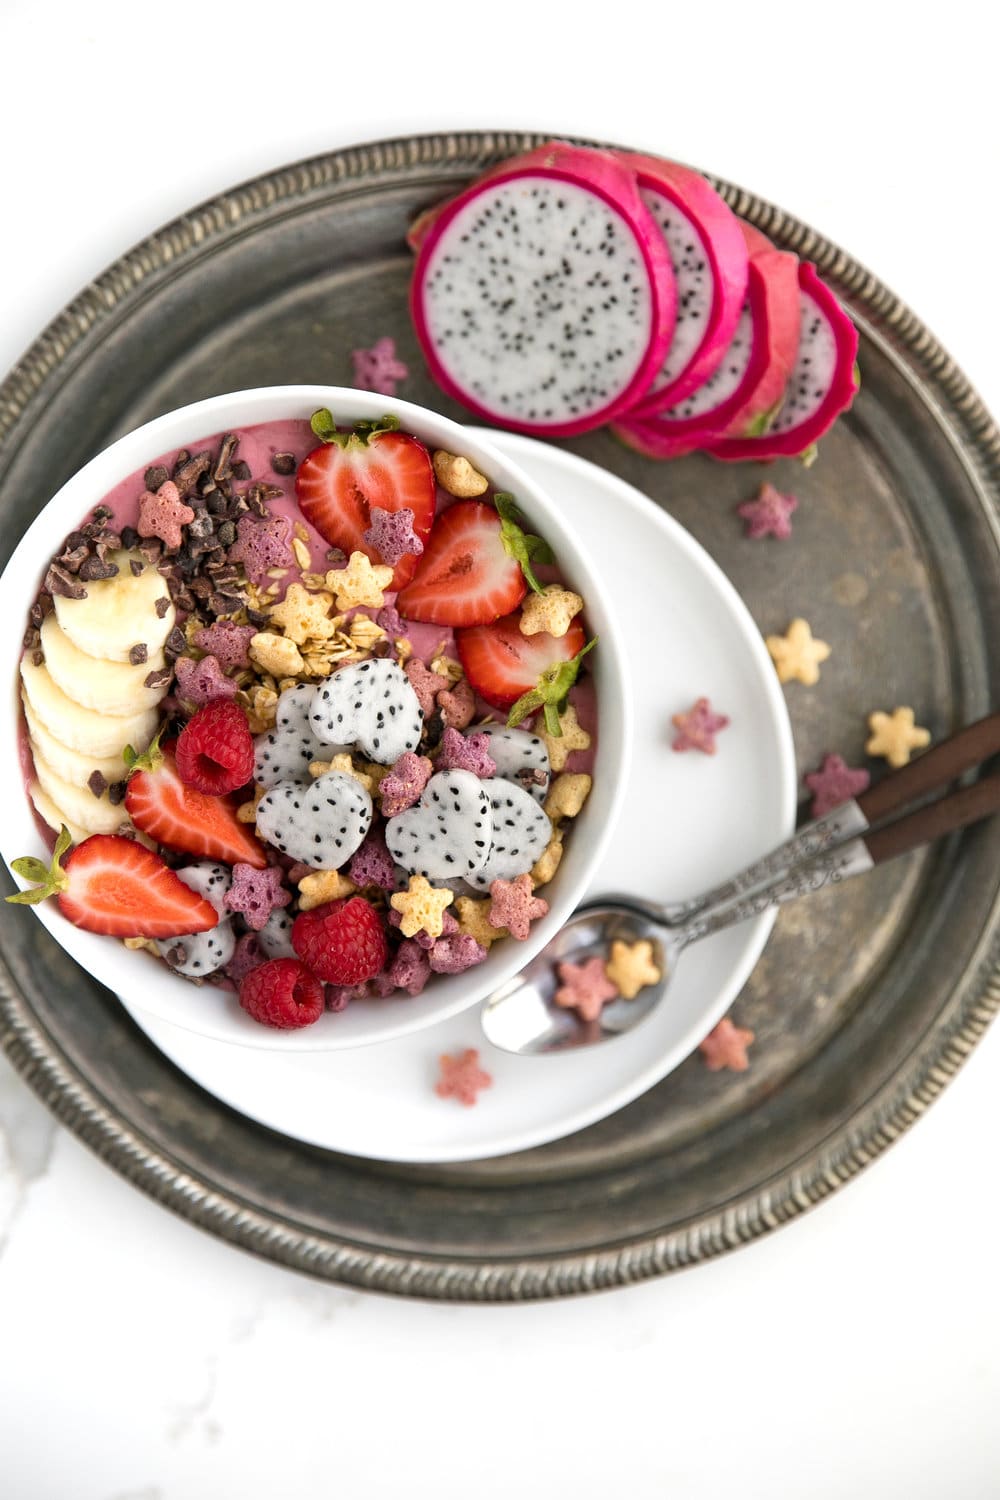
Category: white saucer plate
<point>688,821</point>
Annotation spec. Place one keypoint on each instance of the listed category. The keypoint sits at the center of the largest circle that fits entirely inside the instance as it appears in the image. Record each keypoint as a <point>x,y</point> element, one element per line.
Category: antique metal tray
<point>867,1000</point>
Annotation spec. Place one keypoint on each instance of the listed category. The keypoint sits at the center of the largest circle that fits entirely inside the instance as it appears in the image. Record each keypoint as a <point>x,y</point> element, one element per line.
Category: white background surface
<point>854,1352</point>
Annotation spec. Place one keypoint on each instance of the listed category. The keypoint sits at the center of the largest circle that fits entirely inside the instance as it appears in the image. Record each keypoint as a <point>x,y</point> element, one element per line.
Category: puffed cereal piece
<point>561,747</point>
<point>421,907</point>
<point>567,794</point>
<point>303,616</point>
<point>895,736</point>
<point>276,654</point>
<point>324,885</point>
<point>474,919</point>
<point>361,582</point>
<point>552,611</point>
<point>798,653</point>
<point>631,967</point>
<point>549,860</point>
<point>456,475</point>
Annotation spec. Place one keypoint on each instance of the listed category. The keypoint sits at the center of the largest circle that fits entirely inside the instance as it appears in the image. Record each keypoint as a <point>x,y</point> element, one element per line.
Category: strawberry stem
<point>325,428</point>
<point>550,693</point>
<point>524,548</point>
<point>51,878</point>
<point>151,758</point>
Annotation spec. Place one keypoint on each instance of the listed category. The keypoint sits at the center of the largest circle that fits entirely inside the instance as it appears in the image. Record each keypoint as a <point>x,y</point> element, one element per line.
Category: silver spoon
<point>522,1016</point>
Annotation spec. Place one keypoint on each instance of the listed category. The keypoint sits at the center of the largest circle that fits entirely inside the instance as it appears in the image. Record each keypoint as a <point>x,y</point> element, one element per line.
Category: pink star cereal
<point>835,782</point>
<point>410,969</point>
<point>163,514</point>
<point>404,783</point>
<point>514,906</point>
<point>378,368</point>
<point>449,926</point>
<point>585,988</point>
<point>455,954</point>
<point>425,683</point>
<point>392,536</point>
<point>457,705</point>
<point>461,752</point>
<point>698,727</point>
<point>247,956</point>
<point>256,893</point>
<point>372,864</point>
<point>227,642</point>
<point>726,1047</point>
<point>389,619</point>
<point>201,682</point>
<point>262,544</point>
<point>461,1077</point>
<point>769,515</point>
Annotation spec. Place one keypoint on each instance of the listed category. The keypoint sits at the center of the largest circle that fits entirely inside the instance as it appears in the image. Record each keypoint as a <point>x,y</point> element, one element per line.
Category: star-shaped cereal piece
<point>410,969</point>
<point>461,752</point>
<point>835,782</point>
<point>552,611</point>
<point>769,515</point>
<point>276,654</point>
<point>421,907</point>
<point>797,654</point>
<point>567,794</point>
<point>585,988</point>
<point>461,1077</point>
<point>343,763</point>
<point>391,534</point>
<point>200,682</point>
<point>561,747</point>
<point>227,642</point>
<point>548,861</point>
<point>404,783</point>
<point>378,368</point>
<point>322,886</point>
<point>455,954</point>
<point>372,864</point>
<point>726,1047</point>
<point>457,705</point>
<point>698,727</point>
<point>514,905</point>
<point>303,616</point>
<point>473,918</point>
<point>425,683</point>
<point>360,582</point>
<point>896,736</point>
<point>632,967</point>
<point>262,543</point>
<point>163,514</point>
<point>256,893</point>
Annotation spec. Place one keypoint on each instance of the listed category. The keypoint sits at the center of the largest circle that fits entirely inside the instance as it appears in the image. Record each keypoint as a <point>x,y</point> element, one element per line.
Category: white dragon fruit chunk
<point>275,937</point>
<point>710,261</point>
<point>320,824</point>
<point>747,389</point>
<point>199,953</point>
<point>285,752</point>
<point>370,705</point>
<point>544,295</point>
<point>209,879</point>
<point>519,756</point>
<point>448,833</point>
<point>521,832</point>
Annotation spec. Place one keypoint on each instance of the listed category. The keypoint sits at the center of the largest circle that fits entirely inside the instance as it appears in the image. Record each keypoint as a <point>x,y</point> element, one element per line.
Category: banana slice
<point>73,767</point>
<point>119,613</point>
<point>54,816</point>
<point>111,687</point>
<point>80,806</point>
<point>82,729</point>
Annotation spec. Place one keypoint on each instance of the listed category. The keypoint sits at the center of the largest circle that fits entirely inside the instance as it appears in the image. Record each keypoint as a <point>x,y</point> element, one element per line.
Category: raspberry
<point>214,751</point>
<point>343,942</point>
<point>282,993</point>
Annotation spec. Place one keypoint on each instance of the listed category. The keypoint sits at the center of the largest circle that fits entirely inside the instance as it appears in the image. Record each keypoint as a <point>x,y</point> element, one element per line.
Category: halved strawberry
<point>180,817</point>
<point>502,664</point>
<point>113,885</point>
<point>466,575</point>
<point>340,482</point>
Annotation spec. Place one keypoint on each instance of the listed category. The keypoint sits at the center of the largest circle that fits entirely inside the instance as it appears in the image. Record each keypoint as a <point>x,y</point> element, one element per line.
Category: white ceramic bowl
<point>209,1010</point>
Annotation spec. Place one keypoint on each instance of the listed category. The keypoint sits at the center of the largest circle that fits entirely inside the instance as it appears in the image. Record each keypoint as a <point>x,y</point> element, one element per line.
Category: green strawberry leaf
<point>524,548</point>
<point>151,758</point>
<point>52,878</point>
<point>550,693</point>
<point>325,428</point>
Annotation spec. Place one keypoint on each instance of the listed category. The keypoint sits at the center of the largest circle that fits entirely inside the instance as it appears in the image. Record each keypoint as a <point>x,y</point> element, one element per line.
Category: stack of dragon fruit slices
<point>571,287</point>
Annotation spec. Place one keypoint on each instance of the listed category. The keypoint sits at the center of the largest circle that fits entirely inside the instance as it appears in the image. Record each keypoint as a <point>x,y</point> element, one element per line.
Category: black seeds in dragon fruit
<point>320,824</point>
<point>371,705</point>
<point>521,832</point>
<point>448,833</point>
<point>286,752</point>
<point>275,937</point>
<point>200,953</point>
<point>519,756</point>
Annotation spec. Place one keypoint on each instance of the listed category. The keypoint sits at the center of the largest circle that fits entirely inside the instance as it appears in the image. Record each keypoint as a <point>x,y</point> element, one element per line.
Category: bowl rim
<point>166,995</point>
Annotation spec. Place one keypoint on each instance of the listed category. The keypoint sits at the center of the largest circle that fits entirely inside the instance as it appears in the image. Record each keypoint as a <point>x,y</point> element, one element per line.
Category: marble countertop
<point>852,1353</point>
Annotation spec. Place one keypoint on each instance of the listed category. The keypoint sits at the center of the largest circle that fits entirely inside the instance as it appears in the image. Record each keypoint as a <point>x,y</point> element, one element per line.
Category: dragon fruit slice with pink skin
<point>543,296</point>
<point>823,382</point>
<point>711,266</point>
<point>745,392</point>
